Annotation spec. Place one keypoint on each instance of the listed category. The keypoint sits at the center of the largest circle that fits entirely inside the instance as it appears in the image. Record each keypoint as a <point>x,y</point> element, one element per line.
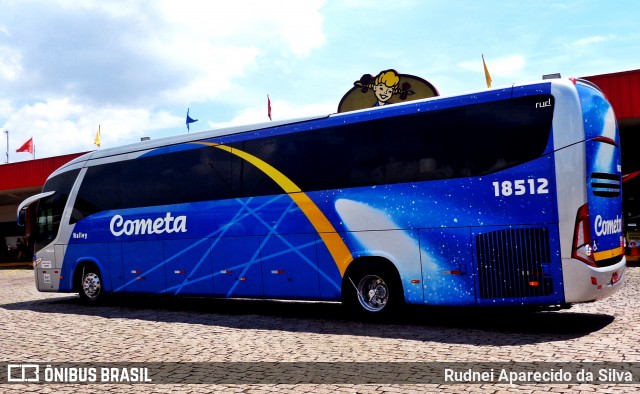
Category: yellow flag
<point>97,139</point>
<point>486,73</point>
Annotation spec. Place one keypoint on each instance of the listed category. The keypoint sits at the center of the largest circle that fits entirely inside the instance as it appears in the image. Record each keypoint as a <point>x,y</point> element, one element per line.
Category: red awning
<point>31,173</point>
<point>622,90</point>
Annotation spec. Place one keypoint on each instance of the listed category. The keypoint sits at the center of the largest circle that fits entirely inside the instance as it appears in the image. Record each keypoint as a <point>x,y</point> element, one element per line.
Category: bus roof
<point>178,139</point>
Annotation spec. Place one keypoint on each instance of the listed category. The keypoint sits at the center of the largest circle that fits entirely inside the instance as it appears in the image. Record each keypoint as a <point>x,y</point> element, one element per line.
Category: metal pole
<point>7,132</point>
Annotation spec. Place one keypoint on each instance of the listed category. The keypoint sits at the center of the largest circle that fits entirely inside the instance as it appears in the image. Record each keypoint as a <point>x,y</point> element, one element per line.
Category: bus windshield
<point>50,209</point>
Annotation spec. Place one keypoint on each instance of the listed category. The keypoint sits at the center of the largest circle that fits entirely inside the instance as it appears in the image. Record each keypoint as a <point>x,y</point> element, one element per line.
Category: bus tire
<point>372,290</point>
<point>91,286</point>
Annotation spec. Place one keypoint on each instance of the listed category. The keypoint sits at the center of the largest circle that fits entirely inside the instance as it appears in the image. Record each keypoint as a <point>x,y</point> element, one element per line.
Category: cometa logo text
<point>167,224</point>
<point>607,227</point>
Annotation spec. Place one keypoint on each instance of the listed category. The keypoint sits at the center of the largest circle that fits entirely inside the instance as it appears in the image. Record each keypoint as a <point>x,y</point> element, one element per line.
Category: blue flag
<point>189,119</point>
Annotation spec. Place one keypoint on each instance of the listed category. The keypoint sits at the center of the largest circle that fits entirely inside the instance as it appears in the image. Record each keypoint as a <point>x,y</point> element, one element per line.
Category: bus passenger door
<point>236,266</point>
<point>289,266</point>
<point>142,265</point>
<point>188,267</point>
<point>447,268</point>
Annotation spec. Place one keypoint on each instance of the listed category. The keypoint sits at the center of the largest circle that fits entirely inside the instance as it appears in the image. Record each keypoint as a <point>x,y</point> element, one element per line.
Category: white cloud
<point>214,44</point>
<point>75,64</point>
<point>212,74</point>
<point>61,126</point>
<point>587,41</point>
<point>132,52</point>
<point>297,24</point>
<point>5,108</point>
<point>10,63</point>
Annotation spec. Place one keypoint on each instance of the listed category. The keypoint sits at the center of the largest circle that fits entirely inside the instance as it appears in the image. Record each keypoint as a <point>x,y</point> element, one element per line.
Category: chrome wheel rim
<point>91,285</point>
<point>373,293</point>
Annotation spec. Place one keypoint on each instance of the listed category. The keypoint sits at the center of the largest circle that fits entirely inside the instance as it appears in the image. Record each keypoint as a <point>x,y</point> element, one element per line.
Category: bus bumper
<point>47,277</point>
<point>583,283</point>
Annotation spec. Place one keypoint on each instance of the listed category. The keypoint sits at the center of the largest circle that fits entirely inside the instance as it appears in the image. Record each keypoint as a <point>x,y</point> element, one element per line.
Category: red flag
<point>269,107</point>
<point>26,147</point>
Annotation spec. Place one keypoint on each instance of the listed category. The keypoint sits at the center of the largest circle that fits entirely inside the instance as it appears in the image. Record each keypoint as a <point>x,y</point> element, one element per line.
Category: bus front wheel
<point>372,291</point>
<point>91,286</point>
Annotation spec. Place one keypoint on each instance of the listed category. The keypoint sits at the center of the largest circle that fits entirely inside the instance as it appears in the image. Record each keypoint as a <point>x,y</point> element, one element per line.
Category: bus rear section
<point>596,265</point>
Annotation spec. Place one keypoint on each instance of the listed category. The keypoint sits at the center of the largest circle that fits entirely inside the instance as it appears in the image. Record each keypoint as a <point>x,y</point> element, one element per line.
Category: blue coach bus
<point>509,196</point>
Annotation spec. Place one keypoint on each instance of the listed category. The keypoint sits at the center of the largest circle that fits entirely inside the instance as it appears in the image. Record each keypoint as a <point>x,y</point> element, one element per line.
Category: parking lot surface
<point>57,328</point>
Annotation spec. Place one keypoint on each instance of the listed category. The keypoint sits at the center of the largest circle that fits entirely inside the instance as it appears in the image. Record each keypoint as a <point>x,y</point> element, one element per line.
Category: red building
<point>17,182</point>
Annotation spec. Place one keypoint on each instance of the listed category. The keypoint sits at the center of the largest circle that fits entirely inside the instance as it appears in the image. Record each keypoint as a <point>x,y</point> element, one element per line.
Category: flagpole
<point>7,132</point>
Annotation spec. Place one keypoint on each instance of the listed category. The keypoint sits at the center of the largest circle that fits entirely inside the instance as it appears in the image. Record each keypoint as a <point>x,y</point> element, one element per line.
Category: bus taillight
<point>606,140</point>
<point>615,277</point>
<point>582,249</point>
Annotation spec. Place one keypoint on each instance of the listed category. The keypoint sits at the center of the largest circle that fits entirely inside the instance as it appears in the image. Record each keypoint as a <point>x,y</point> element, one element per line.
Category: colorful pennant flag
<point>27,146</point>
<point>269,107</point>
<point>189,120</point>
<point>487,77</point>
<point>96,141</point>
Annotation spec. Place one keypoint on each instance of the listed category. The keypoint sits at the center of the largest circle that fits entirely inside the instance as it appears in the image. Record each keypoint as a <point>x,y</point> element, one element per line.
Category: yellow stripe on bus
<point>339,251</point>
<point>607,254</point>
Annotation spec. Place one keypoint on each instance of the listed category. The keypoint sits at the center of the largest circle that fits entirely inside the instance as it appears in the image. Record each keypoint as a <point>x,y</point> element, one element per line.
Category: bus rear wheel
<point>91,286</point>
<point>372,291</point>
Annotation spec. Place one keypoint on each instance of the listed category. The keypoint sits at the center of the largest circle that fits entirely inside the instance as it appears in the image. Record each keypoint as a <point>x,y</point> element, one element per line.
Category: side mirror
<point>21,214</point>
<point>21,218</point>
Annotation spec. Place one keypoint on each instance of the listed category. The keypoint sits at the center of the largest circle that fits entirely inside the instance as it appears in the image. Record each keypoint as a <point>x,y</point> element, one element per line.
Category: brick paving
<point>57,328</point>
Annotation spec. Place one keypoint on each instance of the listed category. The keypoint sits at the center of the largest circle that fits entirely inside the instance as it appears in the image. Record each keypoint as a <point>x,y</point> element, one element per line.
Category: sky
<point>134,67</point>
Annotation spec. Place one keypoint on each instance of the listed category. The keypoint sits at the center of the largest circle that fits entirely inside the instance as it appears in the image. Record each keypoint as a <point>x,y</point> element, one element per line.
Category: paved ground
<point>57,328</point>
